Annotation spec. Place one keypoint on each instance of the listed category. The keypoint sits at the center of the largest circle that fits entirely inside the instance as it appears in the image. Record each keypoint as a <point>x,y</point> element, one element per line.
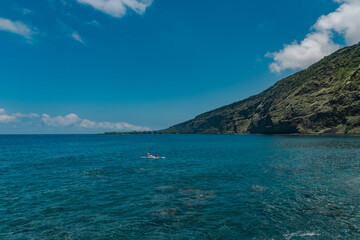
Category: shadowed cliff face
<point>325,98</point>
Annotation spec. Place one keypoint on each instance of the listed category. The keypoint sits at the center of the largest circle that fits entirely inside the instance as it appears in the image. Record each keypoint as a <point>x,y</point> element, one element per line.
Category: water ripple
<point>208,187</point>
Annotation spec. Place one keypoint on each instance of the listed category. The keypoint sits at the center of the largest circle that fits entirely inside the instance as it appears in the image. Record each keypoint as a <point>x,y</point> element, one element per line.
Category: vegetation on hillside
<point>325,98</point>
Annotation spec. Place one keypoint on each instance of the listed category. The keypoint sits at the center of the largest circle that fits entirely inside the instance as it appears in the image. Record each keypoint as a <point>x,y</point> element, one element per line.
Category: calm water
<point>208,187</point>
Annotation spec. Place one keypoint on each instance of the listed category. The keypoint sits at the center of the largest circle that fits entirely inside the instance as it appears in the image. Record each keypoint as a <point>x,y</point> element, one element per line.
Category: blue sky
<point>87,66</point>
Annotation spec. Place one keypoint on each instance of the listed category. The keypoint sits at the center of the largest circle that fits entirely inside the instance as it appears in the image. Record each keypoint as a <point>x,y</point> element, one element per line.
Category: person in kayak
<point>156,155</point>
<point>149,155</point>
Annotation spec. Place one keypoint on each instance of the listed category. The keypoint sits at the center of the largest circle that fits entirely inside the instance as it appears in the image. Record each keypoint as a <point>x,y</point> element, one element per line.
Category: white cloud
<point>4,118</point>
<point>88,124</point>
<point>345,21</point>
<point>76,36</point>
<point>74,121</point>
<point>120,126</point>
<point>60,121</point>
<point>35,123</point>
<point>118,8</point>
<point>30,115</point>
<point>16,27</point>
<point>294,56</point>
<point>117,126</point>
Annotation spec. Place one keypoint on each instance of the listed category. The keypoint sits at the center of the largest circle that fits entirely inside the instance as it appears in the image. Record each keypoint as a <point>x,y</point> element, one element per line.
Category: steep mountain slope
<point>325,98</point>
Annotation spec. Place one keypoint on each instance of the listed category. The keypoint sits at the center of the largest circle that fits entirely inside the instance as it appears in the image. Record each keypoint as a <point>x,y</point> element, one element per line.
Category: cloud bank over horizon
<point>344,22</point>
<point>44,123</point>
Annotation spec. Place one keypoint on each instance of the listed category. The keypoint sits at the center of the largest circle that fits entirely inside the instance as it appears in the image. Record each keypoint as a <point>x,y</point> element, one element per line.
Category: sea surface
<point>208,187</point>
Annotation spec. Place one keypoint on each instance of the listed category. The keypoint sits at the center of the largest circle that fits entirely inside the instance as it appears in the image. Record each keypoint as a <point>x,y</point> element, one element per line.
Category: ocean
<point>208,187</point>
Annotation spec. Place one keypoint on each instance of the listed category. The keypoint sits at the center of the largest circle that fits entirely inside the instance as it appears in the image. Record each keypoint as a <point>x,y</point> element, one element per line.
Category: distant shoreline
<point>156,133</point>
<point>290,134</point>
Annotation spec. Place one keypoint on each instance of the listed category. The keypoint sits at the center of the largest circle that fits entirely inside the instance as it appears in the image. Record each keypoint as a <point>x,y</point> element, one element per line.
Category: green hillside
<point>325,98</point>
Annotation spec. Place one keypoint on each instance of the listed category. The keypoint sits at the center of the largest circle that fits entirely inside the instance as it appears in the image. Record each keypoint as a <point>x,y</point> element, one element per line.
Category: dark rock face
<point>325,98</point>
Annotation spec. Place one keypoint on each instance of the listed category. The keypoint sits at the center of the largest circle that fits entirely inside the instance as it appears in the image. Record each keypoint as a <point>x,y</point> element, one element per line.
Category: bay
<point>207,187</point>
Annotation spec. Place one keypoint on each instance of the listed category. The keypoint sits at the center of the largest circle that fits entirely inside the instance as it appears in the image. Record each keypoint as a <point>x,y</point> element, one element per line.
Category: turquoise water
<point>208,187</point>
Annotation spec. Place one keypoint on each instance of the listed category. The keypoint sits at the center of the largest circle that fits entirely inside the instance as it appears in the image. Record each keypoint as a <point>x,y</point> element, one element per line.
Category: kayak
<point>153,157</point>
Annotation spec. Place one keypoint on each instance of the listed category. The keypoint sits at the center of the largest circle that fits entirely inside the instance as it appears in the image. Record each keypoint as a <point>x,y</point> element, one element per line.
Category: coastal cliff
<point>323,99</point>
